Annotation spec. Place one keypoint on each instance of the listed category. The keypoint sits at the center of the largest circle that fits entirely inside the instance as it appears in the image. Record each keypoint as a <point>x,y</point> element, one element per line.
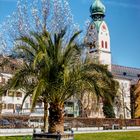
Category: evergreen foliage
<point>108,110</point>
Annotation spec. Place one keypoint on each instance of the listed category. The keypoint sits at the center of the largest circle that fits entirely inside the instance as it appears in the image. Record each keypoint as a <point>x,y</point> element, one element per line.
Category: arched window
<point>106,44</point>
<point>102,44</point>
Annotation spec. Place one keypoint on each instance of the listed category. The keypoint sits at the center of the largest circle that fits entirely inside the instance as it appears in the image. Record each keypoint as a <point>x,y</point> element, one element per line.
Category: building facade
<point>99,49</point>
<point>11,100</point>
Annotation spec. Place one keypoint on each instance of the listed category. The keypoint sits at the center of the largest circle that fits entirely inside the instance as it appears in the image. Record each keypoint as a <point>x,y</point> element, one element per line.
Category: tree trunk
<point>56,118</point>
<point>45,128</point>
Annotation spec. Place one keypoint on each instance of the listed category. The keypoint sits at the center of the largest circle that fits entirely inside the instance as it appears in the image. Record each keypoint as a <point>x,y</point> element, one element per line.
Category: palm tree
<point>55,71</point>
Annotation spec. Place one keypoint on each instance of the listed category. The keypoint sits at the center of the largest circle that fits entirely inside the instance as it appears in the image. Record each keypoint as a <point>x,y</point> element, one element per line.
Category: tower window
<point>124,73</point>
<point>102,44</point>
<point>106,44</point>
<point>92,27</point>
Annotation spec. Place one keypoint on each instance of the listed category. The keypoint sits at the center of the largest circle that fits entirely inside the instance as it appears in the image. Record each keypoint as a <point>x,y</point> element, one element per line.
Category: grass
<point>93,136</point>
<point>109,136</point>
<point>16,138</point>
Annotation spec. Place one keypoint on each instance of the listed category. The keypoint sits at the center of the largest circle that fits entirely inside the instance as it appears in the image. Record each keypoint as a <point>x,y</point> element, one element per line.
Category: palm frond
<point>38,90</point>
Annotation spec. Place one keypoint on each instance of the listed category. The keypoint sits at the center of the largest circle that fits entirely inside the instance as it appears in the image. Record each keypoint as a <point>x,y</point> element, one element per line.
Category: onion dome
<point>97,9</point>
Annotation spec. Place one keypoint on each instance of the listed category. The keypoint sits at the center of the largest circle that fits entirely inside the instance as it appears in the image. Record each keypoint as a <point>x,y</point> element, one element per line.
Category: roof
<point>124,72</point>
<point>9,64</point>
<point>97,8</point>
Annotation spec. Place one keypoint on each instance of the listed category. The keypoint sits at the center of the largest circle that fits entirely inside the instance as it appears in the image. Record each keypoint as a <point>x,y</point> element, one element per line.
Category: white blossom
<point>37,15</point>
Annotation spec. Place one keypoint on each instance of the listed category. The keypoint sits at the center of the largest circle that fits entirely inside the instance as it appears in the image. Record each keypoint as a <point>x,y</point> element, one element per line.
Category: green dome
<point>97,8</point>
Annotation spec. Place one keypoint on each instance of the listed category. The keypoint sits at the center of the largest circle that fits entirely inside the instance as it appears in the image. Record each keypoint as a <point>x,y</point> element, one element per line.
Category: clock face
<point>91,37</point>
<point>104,28</point>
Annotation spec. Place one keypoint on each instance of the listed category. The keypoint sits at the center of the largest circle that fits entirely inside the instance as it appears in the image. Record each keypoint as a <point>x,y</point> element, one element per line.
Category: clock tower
<point>97,38</point>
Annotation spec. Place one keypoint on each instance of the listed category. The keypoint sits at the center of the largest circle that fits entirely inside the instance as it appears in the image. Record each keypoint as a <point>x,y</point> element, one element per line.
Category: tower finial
<point>97,9</point>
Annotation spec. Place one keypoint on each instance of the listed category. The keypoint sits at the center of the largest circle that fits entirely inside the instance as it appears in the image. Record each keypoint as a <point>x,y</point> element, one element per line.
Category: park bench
<point>107,126</point>
<point>116,126</point>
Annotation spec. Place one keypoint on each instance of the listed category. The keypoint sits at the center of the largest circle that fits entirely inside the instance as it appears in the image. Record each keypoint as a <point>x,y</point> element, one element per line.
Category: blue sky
<point>122,17</point>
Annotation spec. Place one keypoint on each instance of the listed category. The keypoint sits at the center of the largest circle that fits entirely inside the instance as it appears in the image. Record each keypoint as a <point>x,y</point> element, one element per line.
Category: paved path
<point>25,132</point>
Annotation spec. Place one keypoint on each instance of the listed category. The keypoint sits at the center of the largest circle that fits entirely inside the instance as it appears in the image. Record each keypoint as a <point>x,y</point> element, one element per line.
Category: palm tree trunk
<point>56,118</point>
<point>45,116</point>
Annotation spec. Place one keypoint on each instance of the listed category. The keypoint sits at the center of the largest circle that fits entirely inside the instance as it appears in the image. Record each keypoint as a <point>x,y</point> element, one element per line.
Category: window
<point>26,105</point>
<point>10,106</point>
<point>18,94</point>
<point>5,94</point>
<point>125,85</point>
<point>2,80</point>
<point>18,106</point>
<point>106,44</point>
<point>12,67</point>
<point>3,106</point>
<point>125,94</point>
<point>125,104</point>
<point>102,44</point>
<point>39,104</point>
<point>128,114</point>
<point>92,27</point>
<point>10,93</point>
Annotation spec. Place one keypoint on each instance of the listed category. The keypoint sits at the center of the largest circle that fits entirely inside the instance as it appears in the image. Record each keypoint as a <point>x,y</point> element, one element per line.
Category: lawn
<point>94,136</point>
<point>16,138</point>
<point>109,136</point>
